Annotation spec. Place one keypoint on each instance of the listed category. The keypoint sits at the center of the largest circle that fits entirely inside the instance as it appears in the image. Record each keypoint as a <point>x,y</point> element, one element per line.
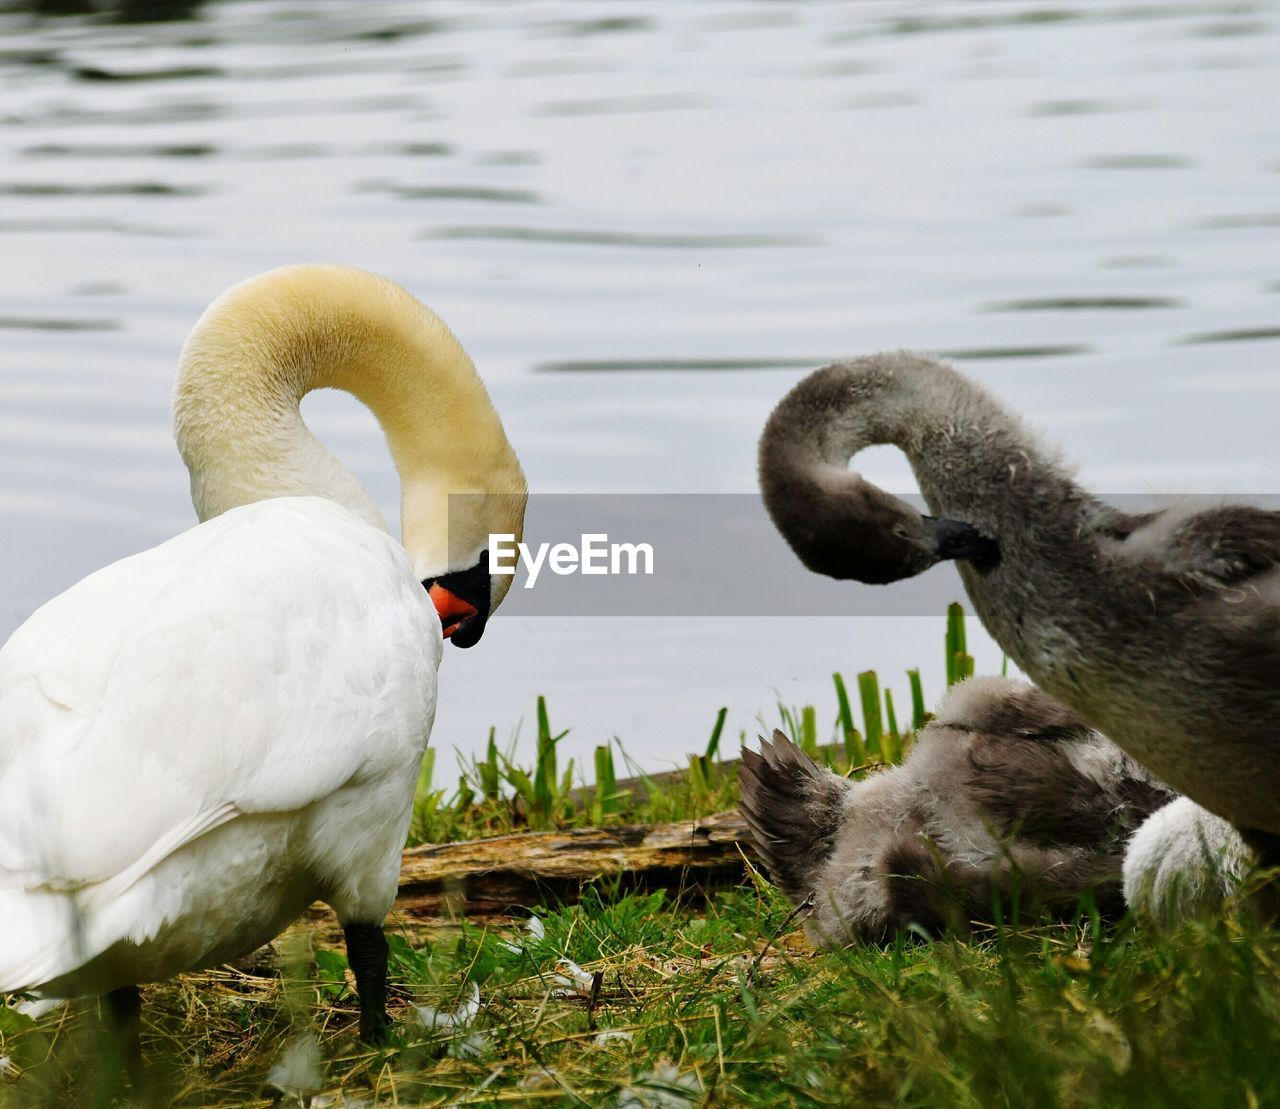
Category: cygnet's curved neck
<point>267,342</point>
<point>974,460</point>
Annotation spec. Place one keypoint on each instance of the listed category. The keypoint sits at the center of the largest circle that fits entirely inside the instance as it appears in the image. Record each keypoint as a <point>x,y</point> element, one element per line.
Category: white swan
<point>200,740</point>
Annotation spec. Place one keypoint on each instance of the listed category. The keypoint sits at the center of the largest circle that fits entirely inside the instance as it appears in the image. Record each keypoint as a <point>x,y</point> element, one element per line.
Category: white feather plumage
<point>200,740</point>
<point>178,779</point>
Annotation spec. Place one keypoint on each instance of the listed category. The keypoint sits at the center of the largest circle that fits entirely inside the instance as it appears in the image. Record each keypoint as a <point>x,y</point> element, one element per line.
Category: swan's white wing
<point>254,664</point>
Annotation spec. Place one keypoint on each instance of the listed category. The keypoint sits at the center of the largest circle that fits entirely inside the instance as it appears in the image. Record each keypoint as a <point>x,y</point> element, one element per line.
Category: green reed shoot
<point>959,661</point>
<point>854,747</point>
<point>918,714</point>
<point>869,691</point>
<point>604,801</point>
<point>713,744</point>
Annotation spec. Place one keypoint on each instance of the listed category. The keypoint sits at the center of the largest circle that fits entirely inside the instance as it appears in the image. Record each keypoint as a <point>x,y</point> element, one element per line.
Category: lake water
<point>645,221</point>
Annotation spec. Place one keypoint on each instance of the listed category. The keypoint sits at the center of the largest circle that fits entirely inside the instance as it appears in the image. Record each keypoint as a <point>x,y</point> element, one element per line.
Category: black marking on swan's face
<point>462,599</point>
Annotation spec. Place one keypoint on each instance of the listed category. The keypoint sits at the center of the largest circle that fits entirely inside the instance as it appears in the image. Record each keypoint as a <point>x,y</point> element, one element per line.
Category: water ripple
<point>1240,222</point>
<point>976,354</point>
<point>1082,304</point>
<point>38,323</point>
<point>660,241</point>
<point>1238,28</point>
<point>1236,335</point>
<point>580,28</point>
<point>194,111</point>
<point>1138,261</point>
<point>490,194</point>
<point>872,101</point>
<point>97,289</point>
<point>1138,161</point>
<point>418,149</point>
<point>286,152</point>
<point>119,150</point>
<point>631,365</point>
<point>197,111</point>
<point>91,226</point>
<point>1032,18</point>
<point>176,73</point>
<point>1069,107</point>
<point>110,188</point>
<point>621,105</point>
<point>933,24</point>
<point>394,32</point>
<point>509,158</point>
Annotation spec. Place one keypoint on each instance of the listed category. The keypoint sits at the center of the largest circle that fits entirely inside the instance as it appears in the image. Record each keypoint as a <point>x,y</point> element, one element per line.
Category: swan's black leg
<point>1266,847</point>
<point>367,957</point>
<point>124,1010</point>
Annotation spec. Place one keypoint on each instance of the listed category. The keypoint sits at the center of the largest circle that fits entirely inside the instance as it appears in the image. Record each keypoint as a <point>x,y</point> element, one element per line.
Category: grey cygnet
<point>1162,630</point>
<point>1006,791</point>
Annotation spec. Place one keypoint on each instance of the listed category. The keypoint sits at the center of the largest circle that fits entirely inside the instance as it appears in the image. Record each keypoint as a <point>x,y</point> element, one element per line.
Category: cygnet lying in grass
<point>1007,795</point>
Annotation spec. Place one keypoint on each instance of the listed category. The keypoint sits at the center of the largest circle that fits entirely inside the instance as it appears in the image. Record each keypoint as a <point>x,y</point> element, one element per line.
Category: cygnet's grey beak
<point>954,539</point>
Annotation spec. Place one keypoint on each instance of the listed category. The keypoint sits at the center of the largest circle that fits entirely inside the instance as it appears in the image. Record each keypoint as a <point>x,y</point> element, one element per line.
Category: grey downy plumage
<point>1162,630</point>
<point>1006,795</point>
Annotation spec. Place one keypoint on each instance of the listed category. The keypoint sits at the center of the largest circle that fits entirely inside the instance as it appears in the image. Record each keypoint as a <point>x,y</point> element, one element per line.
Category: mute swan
<point>1162,630</point>
<point>1005,790</point>
<point>200,740</point>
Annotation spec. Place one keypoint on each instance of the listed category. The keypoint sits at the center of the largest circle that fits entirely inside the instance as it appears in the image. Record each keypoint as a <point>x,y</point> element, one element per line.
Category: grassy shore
<point>699,996</point>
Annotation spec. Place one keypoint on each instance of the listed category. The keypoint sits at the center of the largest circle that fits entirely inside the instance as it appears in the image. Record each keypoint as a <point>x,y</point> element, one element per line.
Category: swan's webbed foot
<point>367,957</point>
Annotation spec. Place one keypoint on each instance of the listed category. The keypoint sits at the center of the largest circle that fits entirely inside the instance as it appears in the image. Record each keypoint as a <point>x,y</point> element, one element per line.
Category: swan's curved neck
<point>267,342</point>
<point>980,471</point>
<point>965,449</point>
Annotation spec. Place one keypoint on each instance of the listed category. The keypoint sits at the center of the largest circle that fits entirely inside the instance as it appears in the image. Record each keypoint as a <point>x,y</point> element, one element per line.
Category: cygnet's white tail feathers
<point>1183,863</point>
<point>793,808</point>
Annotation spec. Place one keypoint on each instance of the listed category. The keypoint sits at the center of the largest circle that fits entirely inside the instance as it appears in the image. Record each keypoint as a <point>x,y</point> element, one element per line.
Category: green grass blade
<point>713,744</point>
<point>869,689</point>
<point>809,731</point>
<point>466,795</point>
<point>606,780</point>
<point>699,787</point>
<point>917,700</point>
<point>427,771</point>
<point>854,748</point>
<point>545,780</point>
<point>490,776</point>
<point>959,661</point>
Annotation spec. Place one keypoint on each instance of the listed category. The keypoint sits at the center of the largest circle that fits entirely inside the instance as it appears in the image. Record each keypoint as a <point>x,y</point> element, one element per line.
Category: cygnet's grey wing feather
<point>793,808</point>
<point>1227,545</point>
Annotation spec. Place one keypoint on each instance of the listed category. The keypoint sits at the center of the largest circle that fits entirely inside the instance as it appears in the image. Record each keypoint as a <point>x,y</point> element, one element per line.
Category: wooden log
<point>490,876</point>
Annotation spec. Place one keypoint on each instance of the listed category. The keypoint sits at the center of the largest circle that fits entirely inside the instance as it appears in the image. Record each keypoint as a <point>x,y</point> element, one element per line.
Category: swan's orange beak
<point>453,610</point>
